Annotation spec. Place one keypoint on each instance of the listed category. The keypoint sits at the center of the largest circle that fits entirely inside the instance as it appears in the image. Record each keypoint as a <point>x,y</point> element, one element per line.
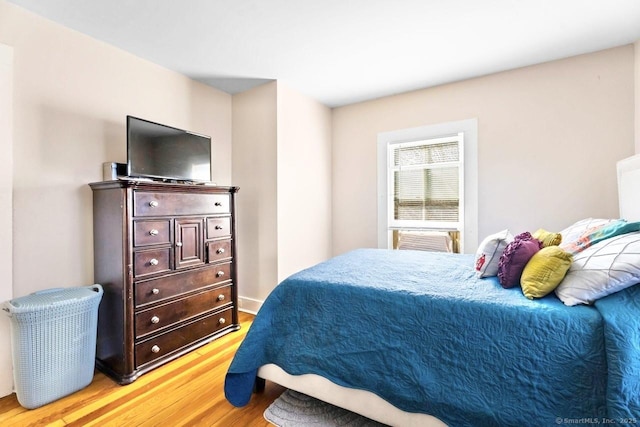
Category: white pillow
<point>489,251</point>
<point>577,229</point>
<point>606,267</point>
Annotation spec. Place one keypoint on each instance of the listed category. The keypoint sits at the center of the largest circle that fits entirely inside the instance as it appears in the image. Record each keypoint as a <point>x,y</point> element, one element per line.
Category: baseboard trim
<point>249,305</point>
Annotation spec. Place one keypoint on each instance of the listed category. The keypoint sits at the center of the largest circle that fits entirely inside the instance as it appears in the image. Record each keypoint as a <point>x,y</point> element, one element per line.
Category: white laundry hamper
<point>53,337</point>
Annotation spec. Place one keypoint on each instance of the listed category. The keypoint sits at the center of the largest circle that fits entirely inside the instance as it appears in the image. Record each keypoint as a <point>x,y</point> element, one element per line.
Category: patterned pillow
<point>598,234</point>
<point>515,257</point>
<point>577,229</point>
<point>602,269</point>
<point>544,271</point>
<point>489,251</point>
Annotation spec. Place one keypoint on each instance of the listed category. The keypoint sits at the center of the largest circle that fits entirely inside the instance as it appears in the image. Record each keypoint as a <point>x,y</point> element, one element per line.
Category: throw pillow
<point>544,271</point>
<point>578,228</point>
<point>598,234</point>
<point>602,269</point>
<point>515,257</point>
<point>547,238</point>
<point>489,251</point>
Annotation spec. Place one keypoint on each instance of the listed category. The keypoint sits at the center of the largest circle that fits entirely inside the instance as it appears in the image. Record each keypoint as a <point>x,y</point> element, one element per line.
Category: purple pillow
<point>515,257</point>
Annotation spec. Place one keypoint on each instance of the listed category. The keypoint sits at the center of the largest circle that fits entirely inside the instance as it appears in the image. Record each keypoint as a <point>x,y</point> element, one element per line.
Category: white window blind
<point>425,178</point>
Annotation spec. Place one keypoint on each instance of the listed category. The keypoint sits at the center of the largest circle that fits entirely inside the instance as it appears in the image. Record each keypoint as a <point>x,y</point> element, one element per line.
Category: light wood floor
<point>185,392</point>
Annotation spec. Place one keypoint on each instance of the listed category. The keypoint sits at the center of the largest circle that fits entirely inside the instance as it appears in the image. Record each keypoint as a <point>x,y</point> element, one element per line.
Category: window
<point>426,178</point>
<point>427,181</point>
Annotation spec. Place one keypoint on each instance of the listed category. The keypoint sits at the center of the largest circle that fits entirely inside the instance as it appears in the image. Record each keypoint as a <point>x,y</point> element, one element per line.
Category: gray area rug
<point>293,409</point>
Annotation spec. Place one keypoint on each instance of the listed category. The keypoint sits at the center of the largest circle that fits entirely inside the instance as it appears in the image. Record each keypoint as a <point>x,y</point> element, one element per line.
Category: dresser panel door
<point>189,242</point>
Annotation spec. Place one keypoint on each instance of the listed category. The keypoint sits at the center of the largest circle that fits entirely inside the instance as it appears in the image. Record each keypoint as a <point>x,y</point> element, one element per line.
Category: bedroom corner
<point>285,197</point>
<point>6,214</point>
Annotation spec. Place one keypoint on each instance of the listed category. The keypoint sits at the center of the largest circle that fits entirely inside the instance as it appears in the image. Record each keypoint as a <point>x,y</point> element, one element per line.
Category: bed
<point>412,338</point>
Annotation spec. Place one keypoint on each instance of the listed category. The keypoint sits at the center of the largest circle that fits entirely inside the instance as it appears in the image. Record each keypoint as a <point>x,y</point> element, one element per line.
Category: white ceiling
<point>344,51</point>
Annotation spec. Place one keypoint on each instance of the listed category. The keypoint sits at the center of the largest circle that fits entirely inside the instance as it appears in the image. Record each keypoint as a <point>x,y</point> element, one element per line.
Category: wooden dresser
<point>165,256</point>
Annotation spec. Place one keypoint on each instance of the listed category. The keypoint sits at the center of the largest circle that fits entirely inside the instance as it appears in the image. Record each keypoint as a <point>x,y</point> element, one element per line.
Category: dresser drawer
<point>219,250</point>
<point>218,227</point>
<point>146,233</point>
<point>149,291</point>
<point>183,336</point>
<point>151,261</point>
<point>164,315</point>
<point>147,203</point>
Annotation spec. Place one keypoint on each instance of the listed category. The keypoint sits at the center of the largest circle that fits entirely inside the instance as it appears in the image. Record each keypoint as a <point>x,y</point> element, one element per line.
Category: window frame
<point>469,159</point>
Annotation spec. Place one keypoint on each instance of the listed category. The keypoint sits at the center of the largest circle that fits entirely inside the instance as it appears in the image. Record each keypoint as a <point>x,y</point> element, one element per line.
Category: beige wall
<point>282,163</point>
<point>304,181</point>
<point>549,137</point>
<point>637,95</point>
<point>6,211</point>
<point>71,96</point>
<point>255,172</point>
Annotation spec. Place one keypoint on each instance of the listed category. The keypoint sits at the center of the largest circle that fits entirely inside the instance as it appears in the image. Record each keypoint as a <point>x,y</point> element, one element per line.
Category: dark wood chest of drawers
<point>165,256</point>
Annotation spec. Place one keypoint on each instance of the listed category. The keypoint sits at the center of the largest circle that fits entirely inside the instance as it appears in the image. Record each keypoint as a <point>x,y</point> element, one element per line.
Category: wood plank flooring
<point>185,392</point>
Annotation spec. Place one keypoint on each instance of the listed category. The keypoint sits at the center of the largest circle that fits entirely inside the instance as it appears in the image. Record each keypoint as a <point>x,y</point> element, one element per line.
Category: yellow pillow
<point>548,238</point>
<point>544,271</point>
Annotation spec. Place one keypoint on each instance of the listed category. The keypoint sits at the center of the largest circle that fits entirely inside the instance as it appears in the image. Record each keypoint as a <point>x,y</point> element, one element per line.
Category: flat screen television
<point>158,151</point>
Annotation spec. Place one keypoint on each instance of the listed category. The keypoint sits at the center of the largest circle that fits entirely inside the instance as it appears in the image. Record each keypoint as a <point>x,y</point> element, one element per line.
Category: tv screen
<point>159,151</point>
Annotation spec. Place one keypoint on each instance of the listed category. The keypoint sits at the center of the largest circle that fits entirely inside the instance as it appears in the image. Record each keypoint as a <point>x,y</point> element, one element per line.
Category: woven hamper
<point>53,336</point>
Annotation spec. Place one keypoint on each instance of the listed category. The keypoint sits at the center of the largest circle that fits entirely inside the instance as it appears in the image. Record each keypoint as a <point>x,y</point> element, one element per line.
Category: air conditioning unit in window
<point>435,241</point>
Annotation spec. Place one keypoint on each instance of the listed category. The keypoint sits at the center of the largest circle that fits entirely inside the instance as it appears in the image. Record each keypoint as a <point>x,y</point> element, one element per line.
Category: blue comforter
<point>421,331</point>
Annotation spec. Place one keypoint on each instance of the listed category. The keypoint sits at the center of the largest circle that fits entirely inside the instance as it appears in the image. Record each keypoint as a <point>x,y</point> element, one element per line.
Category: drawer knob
<point>218,227</point>
<point>153,204</point>
<point>179,244</point>
<point>221,321</point>
<point>155,291</point>
<point>153,232</point>
<point>155,319</point>
<point>221,297</point>
<point>220,274</point>
<point>155,349</point>
<point>153,261</point>
<point>218,203</point>
<point>220,250</point>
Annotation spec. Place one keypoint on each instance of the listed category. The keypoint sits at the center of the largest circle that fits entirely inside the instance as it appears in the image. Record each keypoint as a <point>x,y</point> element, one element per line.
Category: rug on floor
<point>293,409</point>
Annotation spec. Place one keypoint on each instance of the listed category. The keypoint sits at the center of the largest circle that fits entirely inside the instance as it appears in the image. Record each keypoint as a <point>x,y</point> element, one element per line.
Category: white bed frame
<point>629,188</point>
<point>359,401</point>
<point>374,407</point>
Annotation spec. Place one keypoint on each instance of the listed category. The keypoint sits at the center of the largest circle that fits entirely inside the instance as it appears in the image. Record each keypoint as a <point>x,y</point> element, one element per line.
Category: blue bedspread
<point>421,331</point>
